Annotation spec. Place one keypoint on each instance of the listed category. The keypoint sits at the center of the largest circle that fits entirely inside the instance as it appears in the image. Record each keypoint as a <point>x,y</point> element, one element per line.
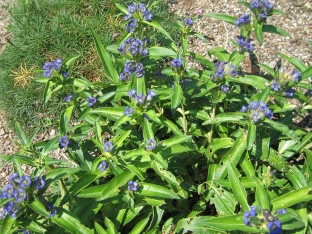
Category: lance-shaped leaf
<point>235,117</point>
<point>257,82</point>
<point>69,222</point>
<point>109,112</point>
<point>176,97</point>
<point>251,136</point>
<point>210,224</point>
<point>307,73</point>
<point>237,187</point>
<point>158,52</point>
<point>261,195</point>
<point>273,29</point>
<point>164,174</point>
<point>296,62</point>
<point>109,68</point>
<point>159,28</point>
<point>7,224</point>
<point>38,207</point>
<point>155,191</point>
<point>281,128</point>
<point>80,184</point>
<point>224,201</point>
<point>258,30</point>
<point>292,198</point>
<point>226,18</point>
<point>175,140</point>
<point>220,53</point>
<point>296,177</point>
<point>112,187</point>
<point>139,227</point>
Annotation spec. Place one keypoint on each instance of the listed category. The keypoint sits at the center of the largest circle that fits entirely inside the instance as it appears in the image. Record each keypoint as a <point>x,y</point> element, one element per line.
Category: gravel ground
<point>297,22</point>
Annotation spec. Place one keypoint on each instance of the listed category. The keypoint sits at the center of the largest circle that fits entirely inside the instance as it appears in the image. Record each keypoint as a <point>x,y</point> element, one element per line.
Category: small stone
<point>52,132</point>
<point>2,132</point>
<point>6,143</point>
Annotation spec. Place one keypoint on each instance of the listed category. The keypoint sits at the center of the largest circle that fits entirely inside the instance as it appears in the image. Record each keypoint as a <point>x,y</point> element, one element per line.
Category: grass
<point>42,30</point>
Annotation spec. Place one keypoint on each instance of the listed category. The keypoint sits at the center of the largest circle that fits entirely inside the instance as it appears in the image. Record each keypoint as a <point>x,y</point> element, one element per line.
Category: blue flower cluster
<point>275,86</point>
<point>91,101</point>
<point>55,65</point>
<point>129,68</point>
<point>141,99</point>
<point>188,22</point>
<point>244,44</point>
<point>103,166</point>
<point>18,188</point>
<point>108,146</point>
<point>262,7</point>
<point>244,20</point>
<point>68,97</point>
<point>222,69</point>
<point>133,186</point>
<point>128,111</point>
<point>50,66</point>
<point>151,144</point>
<point>225,88</point>
<point>257,111</point>
<point>63,141</point>
<point>273,224</point>
<point>137,12</point>
<point>134,47</point>
<point>177,62</point>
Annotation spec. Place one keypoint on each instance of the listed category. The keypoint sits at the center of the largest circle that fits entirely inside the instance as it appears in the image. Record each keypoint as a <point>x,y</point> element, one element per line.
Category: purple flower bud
<point>133,186</point>
<point>108,146</point>
<point>103,166</point>
<point>91,101</point>
<point>63,141</point>
<point>188,22</point>
<point>128,111</point>
<point>151,144</point>
<point>177,62</point>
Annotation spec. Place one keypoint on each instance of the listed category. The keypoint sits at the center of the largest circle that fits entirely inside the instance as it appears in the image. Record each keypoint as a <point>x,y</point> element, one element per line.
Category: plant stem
<point>213,113</point>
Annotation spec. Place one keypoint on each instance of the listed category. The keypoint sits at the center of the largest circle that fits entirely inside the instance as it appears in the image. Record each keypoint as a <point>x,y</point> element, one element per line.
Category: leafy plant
<point>193,151</point>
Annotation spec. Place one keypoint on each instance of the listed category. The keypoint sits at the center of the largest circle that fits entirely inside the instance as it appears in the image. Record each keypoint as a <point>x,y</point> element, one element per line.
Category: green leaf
<point>64,122</point>
<point>211,225</point>
<point>21,159</point>
<point>109,112</point>
<point>296,62</point>
<point>139,227</point>
<point>176,97</point>
<point>226,18</point>
<point>257,82</point>
<point>59,173</point>
<point>80,184</point>
<point>251,137</point>
<point>274,29</point>
<point>307,73</point>
<point>282,128</point>
<point>267,68</point>
<point>122,8</point>
<point>109,68</point>
<point>237,187</point>
<point>51,145</point>
<point>247,166</point>
<point>47,91</point>
<point>175,140</point>
<point>220,53</point>
<point>296,177</point>
<point>155,191</point>
<point>246,4</point>
<point>99,229</point>
<point>261,195</point>
<point>292,198</point>
<point>112,187</point>
<point>6,226</point>
<point>157,52</point>
<point>159,28</point>
<point>20,134</point>
<point>164,174</point>
<point>38,207</point>
<point>226,117</point>
<point>224,201</point>
<point>258,30</point>
<point>68,221</point>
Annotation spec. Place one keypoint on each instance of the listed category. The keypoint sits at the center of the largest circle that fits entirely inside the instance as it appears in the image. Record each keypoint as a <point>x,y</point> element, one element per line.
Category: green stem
<point>213,113</point>
<point>184,119</point>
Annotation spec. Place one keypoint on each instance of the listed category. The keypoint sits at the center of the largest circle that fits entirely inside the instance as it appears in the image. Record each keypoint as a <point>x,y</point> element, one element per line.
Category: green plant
<point>196,151</point>
<point>45,30</point>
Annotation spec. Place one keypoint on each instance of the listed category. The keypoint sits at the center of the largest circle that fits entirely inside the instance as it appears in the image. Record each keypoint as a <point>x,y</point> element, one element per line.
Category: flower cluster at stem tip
<point>273,225</point>
<point>55,65</point>
<point>188,22</point>
<point>129,68</point>
<point>285,76</point>
<point>19,188</point>
<point>108,146</point>
<point>244,20</point>
<point>137,12</point>
<point>257,111</point>
<point>141,99</point>
<point>261,8</point>
<point>177,62</point>
<point>133,186</point>
<point>102,166</point>
<point>244,44</point>
<point>63,141</point>
<point>134,47</point>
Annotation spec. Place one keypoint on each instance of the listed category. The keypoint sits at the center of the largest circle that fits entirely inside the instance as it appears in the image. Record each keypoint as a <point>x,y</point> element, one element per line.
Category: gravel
<point>297,22</point>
